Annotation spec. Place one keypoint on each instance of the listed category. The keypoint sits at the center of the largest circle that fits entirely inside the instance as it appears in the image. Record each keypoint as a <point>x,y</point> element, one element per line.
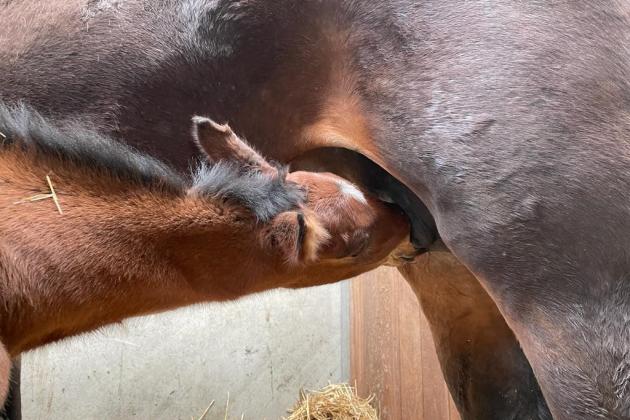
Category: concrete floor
<point>261,350</point>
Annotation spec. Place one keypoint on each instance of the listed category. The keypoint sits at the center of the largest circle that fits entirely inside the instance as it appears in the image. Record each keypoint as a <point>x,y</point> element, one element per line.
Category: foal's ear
<point>219,142</point>
<point>296,236</point>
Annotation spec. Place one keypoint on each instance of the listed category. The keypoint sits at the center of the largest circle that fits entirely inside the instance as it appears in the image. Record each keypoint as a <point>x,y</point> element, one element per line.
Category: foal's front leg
<point>483,364</point>
<point>5,374</point>
<point>13,406</point>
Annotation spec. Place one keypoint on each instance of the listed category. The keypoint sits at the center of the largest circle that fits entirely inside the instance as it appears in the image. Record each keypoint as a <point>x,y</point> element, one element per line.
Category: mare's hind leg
<point>483,364</point>
<point>578,342</point>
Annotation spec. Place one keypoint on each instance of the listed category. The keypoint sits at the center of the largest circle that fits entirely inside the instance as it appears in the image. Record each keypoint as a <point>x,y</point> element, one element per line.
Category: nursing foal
<point>129,236</point>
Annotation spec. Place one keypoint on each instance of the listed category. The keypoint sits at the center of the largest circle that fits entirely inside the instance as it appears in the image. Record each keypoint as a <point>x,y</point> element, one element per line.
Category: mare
<point>506,122</point>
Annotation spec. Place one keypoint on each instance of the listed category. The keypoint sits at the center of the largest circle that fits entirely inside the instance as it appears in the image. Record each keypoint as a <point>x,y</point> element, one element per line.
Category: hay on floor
<point>334,402</point>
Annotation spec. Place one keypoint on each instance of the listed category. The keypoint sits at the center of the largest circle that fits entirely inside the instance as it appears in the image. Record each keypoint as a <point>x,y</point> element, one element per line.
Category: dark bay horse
<point>507,120</point>
<point>129,236</point>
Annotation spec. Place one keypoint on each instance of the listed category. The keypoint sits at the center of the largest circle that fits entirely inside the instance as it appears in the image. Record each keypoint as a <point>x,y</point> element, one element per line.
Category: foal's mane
<point>75,144</point>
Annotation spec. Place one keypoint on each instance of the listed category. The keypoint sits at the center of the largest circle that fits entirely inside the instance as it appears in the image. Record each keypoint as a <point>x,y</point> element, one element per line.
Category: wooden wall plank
<point>374,354</point>
<point>392,354</point>
<point>411,380</point>
<point>434,392</point>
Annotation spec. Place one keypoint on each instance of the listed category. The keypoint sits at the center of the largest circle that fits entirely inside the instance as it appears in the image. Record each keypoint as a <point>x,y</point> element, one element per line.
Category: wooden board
<point>392,354</point>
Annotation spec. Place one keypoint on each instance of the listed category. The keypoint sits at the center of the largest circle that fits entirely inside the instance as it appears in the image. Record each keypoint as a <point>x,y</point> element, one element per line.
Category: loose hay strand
<point>203,416</point>
<point>36,197</point>
<point>308,413</point>
<point>334,402</point>
<point>54,194</point>
<point>227,406</point>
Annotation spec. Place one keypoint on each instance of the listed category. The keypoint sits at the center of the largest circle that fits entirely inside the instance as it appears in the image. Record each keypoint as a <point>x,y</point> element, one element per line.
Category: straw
<point>54,195</point>
<point>38,197</point>
<point>203,416</point>
<point>334,402</point>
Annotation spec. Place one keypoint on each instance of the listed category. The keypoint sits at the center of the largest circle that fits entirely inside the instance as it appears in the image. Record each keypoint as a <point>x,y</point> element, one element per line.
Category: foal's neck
<point>118,250</point>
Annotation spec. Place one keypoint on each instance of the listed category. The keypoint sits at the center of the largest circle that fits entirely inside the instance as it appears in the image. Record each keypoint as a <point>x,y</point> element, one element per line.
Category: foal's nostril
<point>357,243</point>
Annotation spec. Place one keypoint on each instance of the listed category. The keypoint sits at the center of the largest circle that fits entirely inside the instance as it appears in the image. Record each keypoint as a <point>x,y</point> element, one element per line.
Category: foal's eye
<point>301,228</point>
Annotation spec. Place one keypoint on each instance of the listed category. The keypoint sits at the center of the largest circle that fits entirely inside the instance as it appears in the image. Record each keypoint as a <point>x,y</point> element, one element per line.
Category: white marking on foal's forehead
<point>352,191</point>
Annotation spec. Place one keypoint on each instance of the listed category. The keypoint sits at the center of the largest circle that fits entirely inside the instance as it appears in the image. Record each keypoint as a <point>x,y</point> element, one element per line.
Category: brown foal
<point>92,232</point>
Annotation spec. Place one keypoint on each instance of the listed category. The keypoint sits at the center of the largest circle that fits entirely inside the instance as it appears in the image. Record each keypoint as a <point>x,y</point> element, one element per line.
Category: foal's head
<point>335,230</point>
